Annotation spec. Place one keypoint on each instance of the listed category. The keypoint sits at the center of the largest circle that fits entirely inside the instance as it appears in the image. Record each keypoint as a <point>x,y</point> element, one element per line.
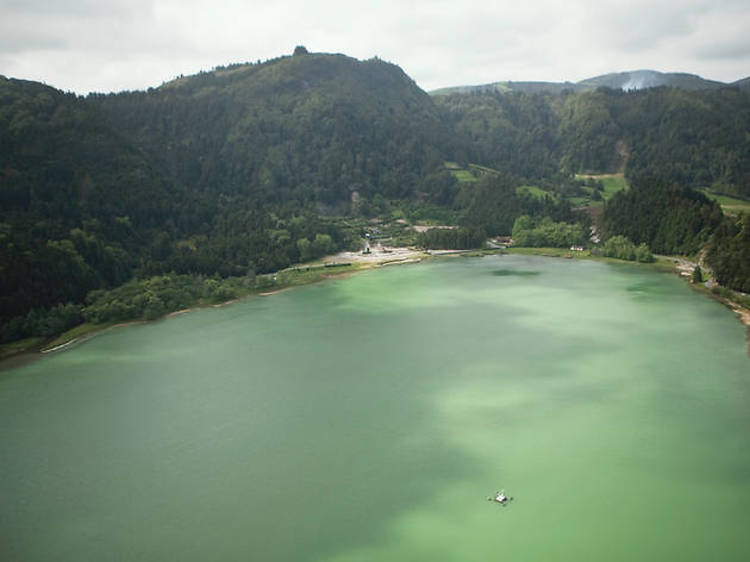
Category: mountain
<point>222,173</point>
<point>633,80</point>
<point>695,138</point>
<point>239,170</point>
<point>75,199</point>
<point>642,79</point>
<point>743,84</point>
<point>311,127</point>
<point>508,86</point>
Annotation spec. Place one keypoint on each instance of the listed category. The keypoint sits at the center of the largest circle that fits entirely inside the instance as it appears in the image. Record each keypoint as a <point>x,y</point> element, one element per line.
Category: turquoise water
<point>368,418</point>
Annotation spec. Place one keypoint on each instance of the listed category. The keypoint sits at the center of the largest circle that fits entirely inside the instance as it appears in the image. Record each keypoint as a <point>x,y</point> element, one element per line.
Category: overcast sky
<point>113,45</point>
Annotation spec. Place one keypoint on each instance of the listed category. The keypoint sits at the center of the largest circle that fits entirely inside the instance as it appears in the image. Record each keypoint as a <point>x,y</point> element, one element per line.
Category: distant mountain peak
<point>627,81</point>
<point>643,79</point>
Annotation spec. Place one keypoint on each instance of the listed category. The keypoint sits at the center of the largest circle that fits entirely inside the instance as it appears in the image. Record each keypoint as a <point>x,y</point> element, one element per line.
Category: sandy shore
<point>379,255</point>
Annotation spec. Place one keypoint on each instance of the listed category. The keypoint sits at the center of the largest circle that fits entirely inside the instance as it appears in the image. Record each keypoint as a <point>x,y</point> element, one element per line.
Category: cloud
<point>109,45</point>
<point>15,41</point>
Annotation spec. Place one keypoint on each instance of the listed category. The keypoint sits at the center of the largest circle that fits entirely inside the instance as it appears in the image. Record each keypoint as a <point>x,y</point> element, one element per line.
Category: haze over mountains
<point>633,80</point>
<point>237,170</point>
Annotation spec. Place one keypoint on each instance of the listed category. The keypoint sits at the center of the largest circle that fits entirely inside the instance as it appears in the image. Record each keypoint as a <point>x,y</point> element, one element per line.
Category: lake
<point>368,418</point>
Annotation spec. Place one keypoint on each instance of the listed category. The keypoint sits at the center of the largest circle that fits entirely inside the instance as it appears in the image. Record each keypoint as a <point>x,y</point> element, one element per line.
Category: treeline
<point>696,139</point>
<point>544,232</point>
<point>452,238</point>
<point>493,204</point>
<point>669,218</point>
<point>148,299</point>
<point>623,249</point>
<point>143,299</point>
<point>728,253</point>
<point>310,128</point>
<point>236,171</point>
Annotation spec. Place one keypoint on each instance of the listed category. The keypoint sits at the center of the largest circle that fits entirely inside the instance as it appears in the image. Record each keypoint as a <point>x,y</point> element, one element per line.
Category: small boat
<point>500,497</point>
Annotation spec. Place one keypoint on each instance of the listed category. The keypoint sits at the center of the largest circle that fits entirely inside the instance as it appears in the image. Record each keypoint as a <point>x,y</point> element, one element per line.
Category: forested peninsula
<point>117,207</point>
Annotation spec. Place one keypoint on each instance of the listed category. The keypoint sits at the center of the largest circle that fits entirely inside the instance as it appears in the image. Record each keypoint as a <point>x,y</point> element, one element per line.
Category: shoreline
<point>326,268</point>
<point>364,262</point>
<point>675,265</point>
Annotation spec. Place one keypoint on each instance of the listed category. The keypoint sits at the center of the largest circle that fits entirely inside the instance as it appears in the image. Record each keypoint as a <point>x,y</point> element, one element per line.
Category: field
<point>463,175</point>
<point>535,191</point>
<point>612,184</point>
<point>730,205</point>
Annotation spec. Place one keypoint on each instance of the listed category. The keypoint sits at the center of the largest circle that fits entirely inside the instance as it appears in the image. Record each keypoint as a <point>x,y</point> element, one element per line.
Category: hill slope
<point>313,127</point>
<point>632,80</point>
<point>75,198</point>
<point>231,172</point>
<point>642,79</point>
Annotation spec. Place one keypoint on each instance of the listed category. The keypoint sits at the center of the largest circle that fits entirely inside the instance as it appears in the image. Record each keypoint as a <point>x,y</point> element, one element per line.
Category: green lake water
<point>369,418</point>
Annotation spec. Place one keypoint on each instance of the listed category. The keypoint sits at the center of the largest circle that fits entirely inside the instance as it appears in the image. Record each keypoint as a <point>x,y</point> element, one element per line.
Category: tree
<point>697,276</point>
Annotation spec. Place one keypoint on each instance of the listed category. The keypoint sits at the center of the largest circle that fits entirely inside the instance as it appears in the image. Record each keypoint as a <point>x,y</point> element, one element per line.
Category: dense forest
<point>668,218</point>
<point>211,179</point>
<point>696,139</point>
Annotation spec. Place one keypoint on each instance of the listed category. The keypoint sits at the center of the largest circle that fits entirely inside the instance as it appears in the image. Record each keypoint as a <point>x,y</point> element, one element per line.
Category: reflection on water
<point>514,273</point>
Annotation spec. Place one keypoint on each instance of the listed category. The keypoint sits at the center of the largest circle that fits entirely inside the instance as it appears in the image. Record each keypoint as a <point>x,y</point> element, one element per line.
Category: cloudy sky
<point>112,45</point>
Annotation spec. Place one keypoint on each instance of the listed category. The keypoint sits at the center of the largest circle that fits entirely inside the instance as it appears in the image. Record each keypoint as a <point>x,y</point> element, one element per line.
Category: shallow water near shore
<point>369,418</point>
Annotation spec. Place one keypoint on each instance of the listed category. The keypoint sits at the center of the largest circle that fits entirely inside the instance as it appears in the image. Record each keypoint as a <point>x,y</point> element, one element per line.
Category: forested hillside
<point>79,202</point>
<point>667,217</point>
<point>310,127</point>
<point>627,81</point>
<point>250,168</point>
<point>698,139</point>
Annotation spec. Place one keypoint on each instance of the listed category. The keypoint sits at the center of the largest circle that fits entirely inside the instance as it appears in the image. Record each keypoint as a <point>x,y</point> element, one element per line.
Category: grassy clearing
<point>470,173</point>
<point>16,347</point>
<point>730,205</point>
<point>534,191</point>
<point>463,175</point>
<point>612,183</point>
<point>659,264</point>
<point>303,275</point>
<point>483,169</point>
<point>550,253</point>
<point>583,202</point>
<point>77,332</point>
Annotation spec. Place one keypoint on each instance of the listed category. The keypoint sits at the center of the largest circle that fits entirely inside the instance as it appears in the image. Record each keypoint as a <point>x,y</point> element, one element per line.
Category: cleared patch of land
<point>379,255</point>
<point>730,205</point>
<point>612,183</point>
<point>463,175</point>
<point>535,191</point>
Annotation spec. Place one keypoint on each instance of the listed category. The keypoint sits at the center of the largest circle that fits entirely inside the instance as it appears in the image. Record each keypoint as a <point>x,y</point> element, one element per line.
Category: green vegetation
<point>243,171</point>
<point>545,232</point>
<point>452,239</point>
<point>532,190</point>
<point>668,218</point>
<point>603,186</point>
<point>732,296</point>
<point>79,331</point>
<point>148,299</point>
<point>623,249</point>
<point>548,252</point>
<point>697,275</point>
<point>728,253</point>
<point>731,205</point>
<point>694,138</point>
<point>463,175</point>
<point>19,346</point>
